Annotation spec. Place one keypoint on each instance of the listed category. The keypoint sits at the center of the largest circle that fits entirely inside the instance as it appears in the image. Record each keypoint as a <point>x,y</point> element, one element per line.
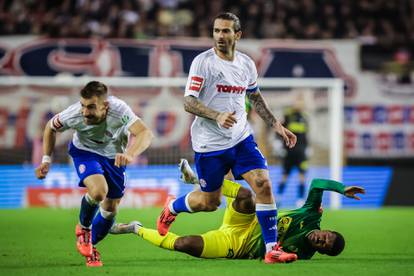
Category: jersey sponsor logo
<point>57,124</point>
<point>196,83</point>
<point>221,88</point>
<point>82,168</point>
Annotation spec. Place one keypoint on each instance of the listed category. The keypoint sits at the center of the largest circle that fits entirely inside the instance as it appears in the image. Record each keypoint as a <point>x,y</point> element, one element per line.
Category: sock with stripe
<point>267,217</point>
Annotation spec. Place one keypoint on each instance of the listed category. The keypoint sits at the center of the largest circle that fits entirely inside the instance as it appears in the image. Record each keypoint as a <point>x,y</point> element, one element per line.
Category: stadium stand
<point>384,22</point>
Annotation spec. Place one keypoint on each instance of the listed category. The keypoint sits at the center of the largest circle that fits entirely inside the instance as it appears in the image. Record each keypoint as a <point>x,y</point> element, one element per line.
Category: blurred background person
<point>296,121</point>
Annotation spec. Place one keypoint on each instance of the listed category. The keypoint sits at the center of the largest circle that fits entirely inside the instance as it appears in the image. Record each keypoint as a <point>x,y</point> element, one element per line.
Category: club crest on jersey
<point>203,183</point>
<point>82,168</point>
<point>221,88</point>
<point>196,83</point>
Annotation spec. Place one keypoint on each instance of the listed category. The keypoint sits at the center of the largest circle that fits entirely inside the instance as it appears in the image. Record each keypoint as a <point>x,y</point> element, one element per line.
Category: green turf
<point>41,242</point>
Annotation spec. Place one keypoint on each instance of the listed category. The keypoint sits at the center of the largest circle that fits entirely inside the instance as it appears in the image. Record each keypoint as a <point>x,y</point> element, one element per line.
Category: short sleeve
<point>128,116</point>
<point>252,86</point>
<point>63,120</point>
<point>196,78</point>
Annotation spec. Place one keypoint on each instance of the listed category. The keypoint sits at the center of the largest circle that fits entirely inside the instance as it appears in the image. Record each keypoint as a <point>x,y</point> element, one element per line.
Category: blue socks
<point>87,211</point>
<point>181,205</point>
<point>101,225</point>
<point>267,217</point>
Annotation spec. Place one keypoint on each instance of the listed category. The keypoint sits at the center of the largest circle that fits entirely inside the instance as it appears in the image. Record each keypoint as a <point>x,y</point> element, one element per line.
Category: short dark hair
<point>338,245</point>
<point>231,17</point>
<point>94,88</point>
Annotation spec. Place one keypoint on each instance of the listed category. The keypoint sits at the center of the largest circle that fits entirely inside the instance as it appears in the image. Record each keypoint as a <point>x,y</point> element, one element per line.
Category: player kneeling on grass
<point>240,237</point>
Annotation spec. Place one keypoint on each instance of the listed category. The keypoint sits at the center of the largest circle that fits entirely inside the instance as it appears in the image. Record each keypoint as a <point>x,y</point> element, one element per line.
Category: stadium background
<point>368,44</point>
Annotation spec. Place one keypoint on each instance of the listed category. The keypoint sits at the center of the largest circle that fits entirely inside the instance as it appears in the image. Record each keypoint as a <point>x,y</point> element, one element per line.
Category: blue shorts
<point>88,163</point>
<point>240,159</point>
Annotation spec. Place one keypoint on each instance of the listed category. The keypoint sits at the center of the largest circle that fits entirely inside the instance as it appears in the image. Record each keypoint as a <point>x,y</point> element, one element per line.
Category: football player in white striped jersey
<point>218,81</point>
<point>102,126</point>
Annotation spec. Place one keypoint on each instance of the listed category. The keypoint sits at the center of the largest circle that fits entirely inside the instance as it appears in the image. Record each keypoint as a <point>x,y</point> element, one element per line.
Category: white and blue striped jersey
<point>107,138</point>
<point>220,85</point>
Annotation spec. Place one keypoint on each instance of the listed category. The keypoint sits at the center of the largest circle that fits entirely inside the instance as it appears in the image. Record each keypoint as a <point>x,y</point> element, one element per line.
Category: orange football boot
<point>95,259</point>
<point>166,218</point>
<point>84,240</point>
<point>277,255</point>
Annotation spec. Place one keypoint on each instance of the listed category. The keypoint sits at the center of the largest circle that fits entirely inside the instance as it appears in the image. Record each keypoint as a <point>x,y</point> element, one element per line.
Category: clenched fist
<point>226,119</point>
<point>42,170</point>
<point>123,159</point>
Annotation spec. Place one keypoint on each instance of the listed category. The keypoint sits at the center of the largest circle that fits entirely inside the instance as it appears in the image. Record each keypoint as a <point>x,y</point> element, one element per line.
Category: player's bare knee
<point>244,194</point>
<point>98,196</point>
<point>246,200</point>
<point>98,193</point>
<point>263,187</point>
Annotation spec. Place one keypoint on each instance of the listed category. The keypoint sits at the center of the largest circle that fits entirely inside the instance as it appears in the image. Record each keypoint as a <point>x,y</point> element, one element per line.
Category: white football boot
<point>188,176</point>
<point>125,228</point>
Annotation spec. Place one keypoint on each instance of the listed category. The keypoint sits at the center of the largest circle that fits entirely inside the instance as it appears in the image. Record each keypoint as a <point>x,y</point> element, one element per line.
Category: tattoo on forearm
<point>261,108</point>
<point>194,106</point>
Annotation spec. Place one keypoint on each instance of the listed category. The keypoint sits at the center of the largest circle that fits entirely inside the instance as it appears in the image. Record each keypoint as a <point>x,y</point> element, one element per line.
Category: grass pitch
<point>42,242</point>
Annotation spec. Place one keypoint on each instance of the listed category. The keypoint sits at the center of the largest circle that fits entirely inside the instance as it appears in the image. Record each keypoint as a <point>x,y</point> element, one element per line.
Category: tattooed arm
<point>194,106</point>
<point>262,109</point>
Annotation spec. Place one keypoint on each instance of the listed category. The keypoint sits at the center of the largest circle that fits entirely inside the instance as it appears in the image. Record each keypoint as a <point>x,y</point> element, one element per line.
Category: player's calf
<point>192,245</point>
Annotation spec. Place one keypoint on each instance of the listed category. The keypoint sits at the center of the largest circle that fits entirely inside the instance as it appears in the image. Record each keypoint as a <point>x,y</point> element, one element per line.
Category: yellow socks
<point>155,238</point>
<point>230,188</point>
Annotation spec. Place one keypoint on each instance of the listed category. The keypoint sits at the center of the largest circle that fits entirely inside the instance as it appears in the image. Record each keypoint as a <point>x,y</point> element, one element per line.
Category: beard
<point>222,47</point>
<point>92,120</point>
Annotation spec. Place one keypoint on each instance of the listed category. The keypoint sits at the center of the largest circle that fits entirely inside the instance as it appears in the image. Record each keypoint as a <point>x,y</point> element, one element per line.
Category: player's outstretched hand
<point>122,159</point>
<point>350,192</point>
<point>226,119</point>
<point>288,137</point>
<point>42,170</point>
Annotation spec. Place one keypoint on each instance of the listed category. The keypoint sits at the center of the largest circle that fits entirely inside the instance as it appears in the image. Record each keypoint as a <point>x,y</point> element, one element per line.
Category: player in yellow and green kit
<point>239,236</point>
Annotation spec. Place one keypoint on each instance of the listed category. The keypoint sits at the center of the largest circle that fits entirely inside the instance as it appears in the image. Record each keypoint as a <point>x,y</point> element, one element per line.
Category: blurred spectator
<point>383,21</point>
<point>399,70</point>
